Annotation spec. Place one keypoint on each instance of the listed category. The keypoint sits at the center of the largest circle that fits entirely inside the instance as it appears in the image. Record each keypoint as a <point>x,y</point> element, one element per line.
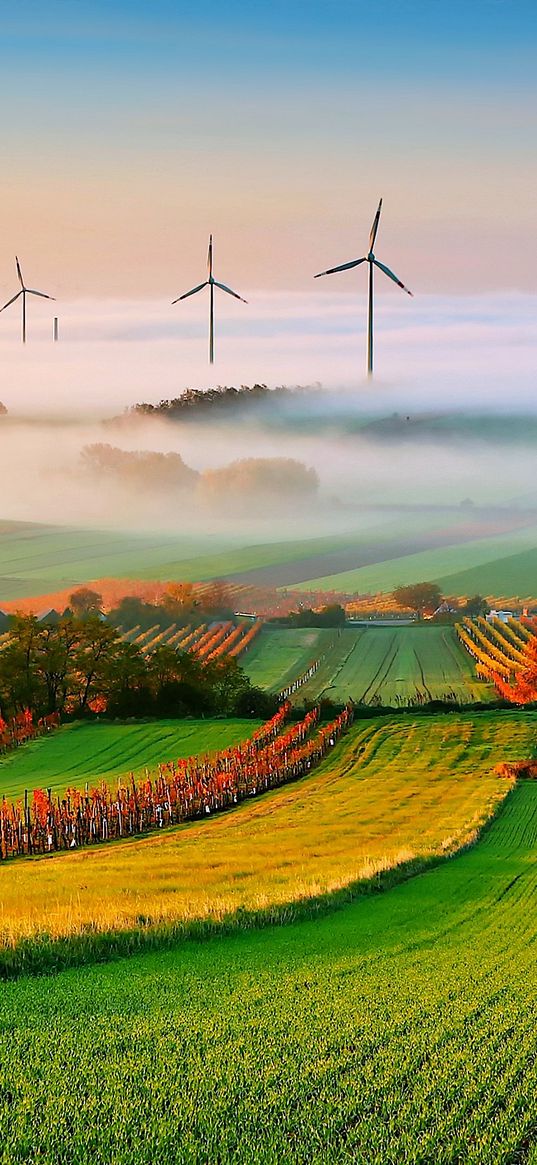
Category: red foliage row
<point>181,791</point>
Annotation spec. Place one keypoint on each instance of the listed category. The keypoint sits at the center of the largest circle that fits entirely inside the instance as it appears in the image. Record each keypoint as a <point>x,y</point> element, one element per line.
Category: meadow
<point>80,753</point>
<point>393,793</point>
<point>398,1030</point>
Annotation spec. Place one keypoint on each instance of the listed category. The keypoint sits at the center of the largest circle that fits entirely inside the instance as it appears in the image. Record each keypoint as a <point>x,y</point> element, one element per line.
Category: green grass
<point>468,568</point>
<point>515,574</point>
<point>397,1031</point>
<point>278,655</point>
<point>78,753</point>
<point>393,791</point>
<point>390,665</point>
<point>36,559</point>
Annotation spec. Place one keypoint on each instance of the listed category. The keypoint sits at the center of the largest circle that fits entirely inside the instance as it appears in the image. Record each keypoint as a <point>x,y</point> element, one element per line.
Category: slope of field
<point>78,753</point>
<point>395,666</point>
<point>37,559</point>
<point>278,656</point>
<point>397,1031</point>
<point>513,575</point>
<point>392,790</point>
<point>463,568</point>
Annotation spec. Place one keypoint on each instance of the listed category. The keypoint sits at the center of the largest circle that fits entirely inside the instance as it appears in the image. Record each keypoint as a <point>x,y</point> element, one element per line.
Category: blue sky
<point>132,129</point>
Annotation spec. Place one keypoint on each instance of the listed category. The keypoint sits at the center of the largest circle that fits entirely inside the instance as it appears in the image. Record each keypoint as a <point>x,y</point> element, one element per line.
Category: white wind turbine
<point>24,291</point>
<point>373,262</point>
<point>211,283</point>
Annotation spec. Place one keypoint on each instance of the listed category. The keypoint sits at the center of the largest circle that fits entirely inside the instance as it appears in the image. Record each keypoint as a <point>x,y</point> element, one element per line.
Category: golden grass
<point>393,790</point>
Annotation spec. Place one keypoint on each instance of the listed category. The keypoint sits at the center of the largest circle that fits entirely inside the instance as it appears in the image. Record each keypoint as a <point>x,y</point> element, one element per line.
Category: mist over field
<point>430,429</point>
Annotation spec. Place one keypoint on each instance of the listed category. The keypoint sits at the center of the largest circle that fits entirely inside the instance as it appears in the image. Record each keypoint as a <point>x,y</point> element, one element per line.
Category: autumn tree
<point>423,597</point>
<point>86,601</point>
<point>179,599</point>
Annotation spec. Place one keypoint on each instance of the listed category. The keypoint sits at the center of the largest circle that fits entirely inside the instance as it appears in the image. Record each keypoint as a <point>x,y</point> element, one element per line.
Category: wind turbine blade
<point>10,301</point>
<point>223,287</point>
<point>19,272</point>
<point>342,267</point>
<point>391,275</point>
<point>375,227</point>
<point>210,257</point>
<point>41,293</point>
<point>193,292</point>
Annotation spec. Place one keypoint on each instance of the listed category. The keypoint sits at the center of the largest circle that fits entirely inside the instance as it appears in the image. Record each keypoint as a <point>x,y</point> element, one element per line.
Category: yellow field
<point>392,790</point>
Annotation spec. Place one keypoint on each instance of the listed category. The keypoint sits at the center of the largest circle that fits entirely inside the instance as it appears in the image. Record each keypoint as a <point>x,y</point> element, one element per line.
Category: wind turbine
<point>373,262</point>
<point>24,291</point>
<point>211,283</point>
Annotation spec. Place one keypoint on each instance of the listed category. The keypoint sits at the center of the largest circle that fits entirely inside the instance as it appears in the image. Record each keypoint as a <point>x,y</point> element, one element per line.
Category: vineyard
<point>498,648</point>
<point>178,791</point>
<point>206,642</point>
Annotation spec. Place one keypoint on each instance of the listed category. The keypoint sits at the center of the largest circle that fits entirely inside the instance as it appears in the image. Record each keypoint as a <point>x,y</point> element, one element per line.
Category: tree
<point>3,410</point>
<point>179,599</point>
<point>423,597</point>
<point>476,606</point>
<point>85,601</point>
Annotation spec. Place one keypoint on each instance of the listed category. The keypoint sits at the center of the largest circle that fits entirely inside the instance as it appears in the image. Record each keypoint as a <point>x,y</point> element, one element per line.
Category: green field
<point>394,790</point>
<point>387,665</point>
<point>92,752</point>
<point>395,665</point>
<point>395,548</point>
<point>399,1030</point>
<point>492,566</point>
<point>278,655</point>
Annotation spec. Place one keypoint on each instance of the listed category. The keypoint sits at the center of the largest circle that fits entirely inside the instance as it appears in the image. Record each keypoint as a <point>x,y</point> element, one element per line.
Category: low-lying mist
<point>362,459</point>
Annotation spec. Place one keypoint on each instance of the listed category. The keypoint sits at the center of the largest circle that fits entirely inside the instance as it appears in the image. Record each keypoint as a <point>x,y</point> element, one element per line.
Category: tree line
<point>80,666</point>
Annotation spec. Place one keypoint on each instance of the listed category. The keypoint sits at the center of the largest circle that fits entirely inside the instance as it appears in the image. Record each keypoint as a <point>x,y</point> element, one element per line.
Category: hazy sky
<point>131,129</point>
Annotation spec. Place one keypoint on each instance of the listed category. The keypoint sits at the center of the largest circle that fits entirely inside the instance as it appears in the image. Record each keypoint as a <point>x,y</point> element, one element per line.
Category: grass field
<point>393,790</point>
<point>515,574</point>
<point>399,1030</point>
<point>506,564</point>
<point>391,665</point>
<point>38,559</point>
<point>278,655</point>
<point>92,752</point>
<point>387,665</point>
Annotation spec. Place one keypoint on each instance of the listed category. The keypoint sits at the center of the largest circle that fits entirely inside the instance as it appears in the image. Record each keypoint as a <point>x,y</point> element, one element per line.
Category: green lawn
<point>399,1030</point>
<point>91,752</point>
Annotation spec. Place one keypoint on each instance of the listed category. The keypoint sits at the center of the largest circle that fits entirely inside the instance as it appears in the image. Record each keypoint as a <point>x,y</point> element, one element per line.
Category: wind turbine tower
<point>24,291</point>
<point>211,283</point>
<point>371,259</point>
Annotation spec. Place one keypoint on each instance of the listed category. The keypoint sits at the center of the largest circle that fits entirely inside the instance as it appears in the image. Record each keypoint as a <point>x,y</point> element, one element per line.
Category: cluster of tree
<point>254,479</point>
<point>78,666</point>
<point>271,479</point>
<point>161,471</point>
<point>195,403</point>
<point>332,615</point>
<point>425,598</point>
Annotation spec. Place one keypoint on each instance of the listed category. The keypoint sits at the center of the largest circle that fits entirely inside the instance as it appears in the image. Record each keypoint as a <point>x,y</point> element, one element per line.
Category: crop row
<point>499,649</point>
<point>179,791</point>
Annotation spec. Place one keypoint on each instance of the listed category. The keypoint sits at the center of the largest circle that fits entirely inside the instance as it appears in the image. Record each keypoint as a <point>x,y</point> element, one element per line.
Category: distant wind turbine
<point>24,291</point>
<point>373,262</point>
<point>211,284</point>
